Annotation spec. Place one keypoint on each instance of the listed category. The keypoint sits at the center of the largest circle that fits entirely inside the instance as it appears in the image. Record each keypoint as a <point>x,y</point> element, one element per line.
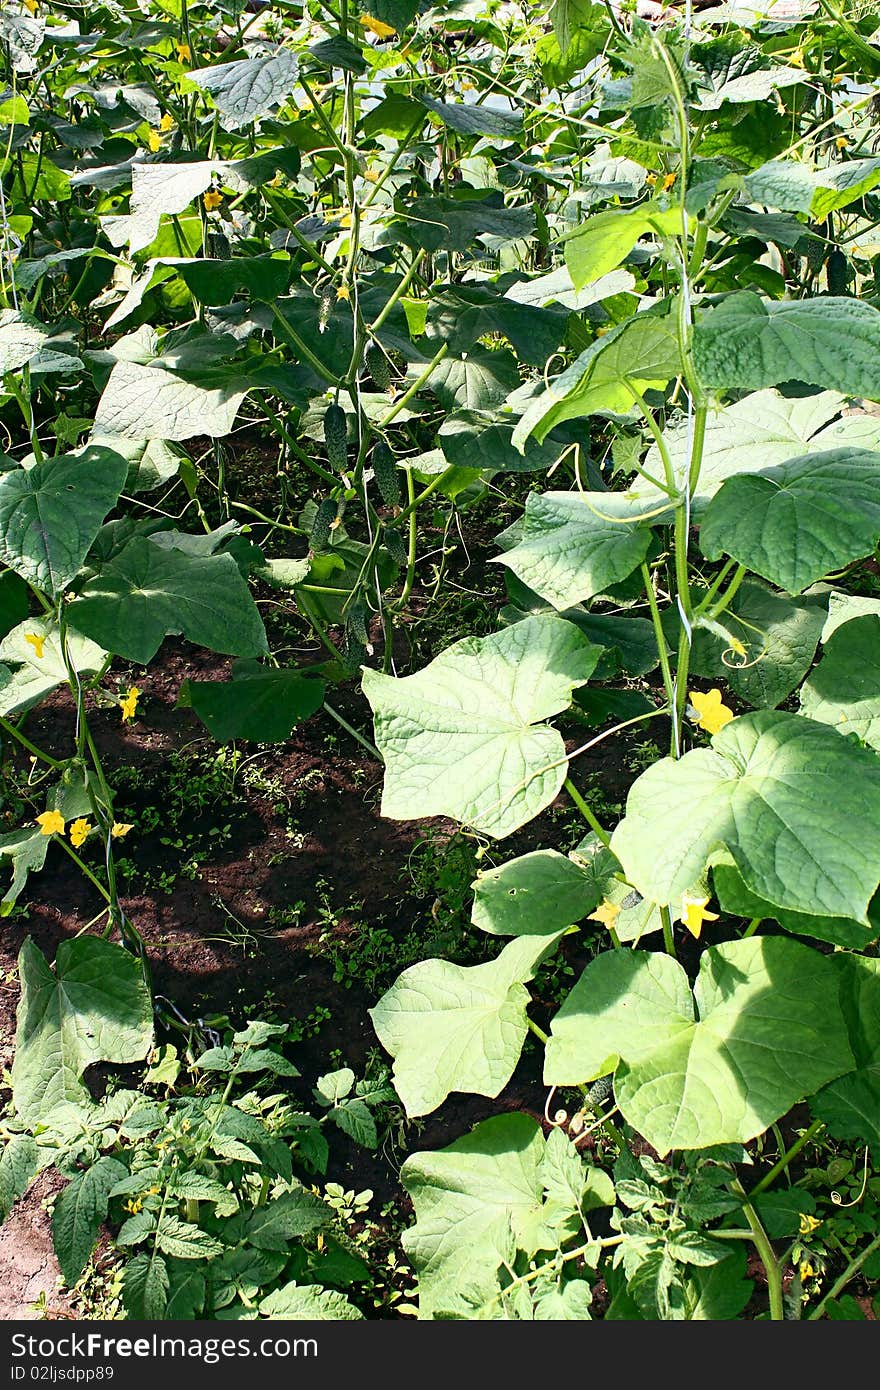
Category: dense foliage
<point>624,273</point>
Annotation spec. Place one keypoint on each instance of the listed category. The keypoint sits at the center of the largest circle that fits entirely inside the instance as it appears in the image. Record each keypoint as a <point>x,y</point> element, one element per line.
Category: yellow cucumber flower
<point>37,641</point>
<point>79,832</point>
<point>713,713</point>
<point>120,829</point>
<point>212,199</point>
<point>128,705</point>
<point>693,913</point>
<point>184,53</point>
<point>376,26</point>
<point>607,913</point>
<point>51,823</point>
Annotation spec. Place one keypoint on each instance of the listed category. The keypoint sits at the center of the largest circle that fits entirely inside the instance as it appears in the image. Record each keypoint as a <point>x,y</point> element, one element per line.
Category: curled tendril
<point>837,1197</point>
<point>555,1122</point>
<point>548,364</point>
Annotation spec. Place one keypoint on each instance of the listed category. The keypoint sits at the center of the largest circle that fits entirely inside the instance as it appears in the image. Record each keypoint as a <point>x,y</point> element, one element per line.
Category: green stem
<point>752,927</point>
<point>355,733</point>
<point>84,868</point>
<point>765,1251</point>
<point>302,347</point>
<point>416,386</point>
<point>668,934</point>
<point>851,32</point>
<point>587,814</point>
<point>32,748</point>
<point>538,1032</point>
<point>284,433</point>
<point>782,1163</point>
<point>840,1284</point>
<point>400,290</point>
<point>659,635</point>
<point>412,547</point>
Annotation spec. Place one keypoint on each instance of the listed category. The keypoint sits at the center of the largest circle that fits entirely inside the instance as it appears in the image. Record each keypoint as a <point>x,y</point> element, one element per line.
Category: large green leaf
<point>467,1198</point>
<point>797,521</point>
<point>460,737</point>
<point>850,1106</point>
<point>146,401</point>
<point>454,224</point>
<point>33,677</point>
<point>748,343</point>
<point>781,793</point>
<point>259,703</point>
<point>537,894</point>
<point>475,120</point>
<point>731,71</point>
<point>19,1163</point>
<point>643,351</point>
<point>798,188</point>
<point>147,592</point>
<point>482,379</point>
<point>691,1077</point>
<point>21,336</point>
<point>145,1287</point>
<point>606,239</point>
<point>94,1007</point>
<point>79,1211</point>
<point>483,439</point>
<point>735,898</point>
<point>844,689</point>
<point>571,546</point>
<point>26,851</point>
<point>460,316</point>
<point>761,430</point>
<point>249,87</point>
<point>51,513</point>
<point>310,1303</point>
<point>780,635</point>
<point>457,1027</point>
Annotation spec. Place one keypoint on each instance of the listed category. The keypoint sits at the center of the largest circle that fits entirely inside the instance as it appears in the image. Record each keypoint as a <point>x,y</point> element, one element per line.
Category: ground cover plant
<point>439,676</point>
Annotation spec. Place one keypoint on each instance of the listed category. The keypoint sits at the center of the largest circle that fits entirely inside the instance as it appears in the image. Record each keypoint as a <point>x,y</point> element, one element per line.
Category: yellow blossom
<point>376,26</point>
<point>808,1224</point>
<point>837,79</point>
<point>345,220</point>
<point>713,713</point>
<point>797,58</point>
<point>129,704</point>
<point>651,179</point>
<point>805,1270</point>
<point>31,6</point>
<point>372,175</point>
<point>166,122</point>
<point>668,181</point>
<point>184,53</point>
<point>693,913</point>
<point>344,292</point>
<point>607,913</point>
<point>468,87</point>
<point>37,641</point>
<point>154,140</point>
<point>120,829</point>
<point>79,832</point>
<point>51,823</point>
<point>212,199</point>
<point>133,1205</point>
<point>841,142</point>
